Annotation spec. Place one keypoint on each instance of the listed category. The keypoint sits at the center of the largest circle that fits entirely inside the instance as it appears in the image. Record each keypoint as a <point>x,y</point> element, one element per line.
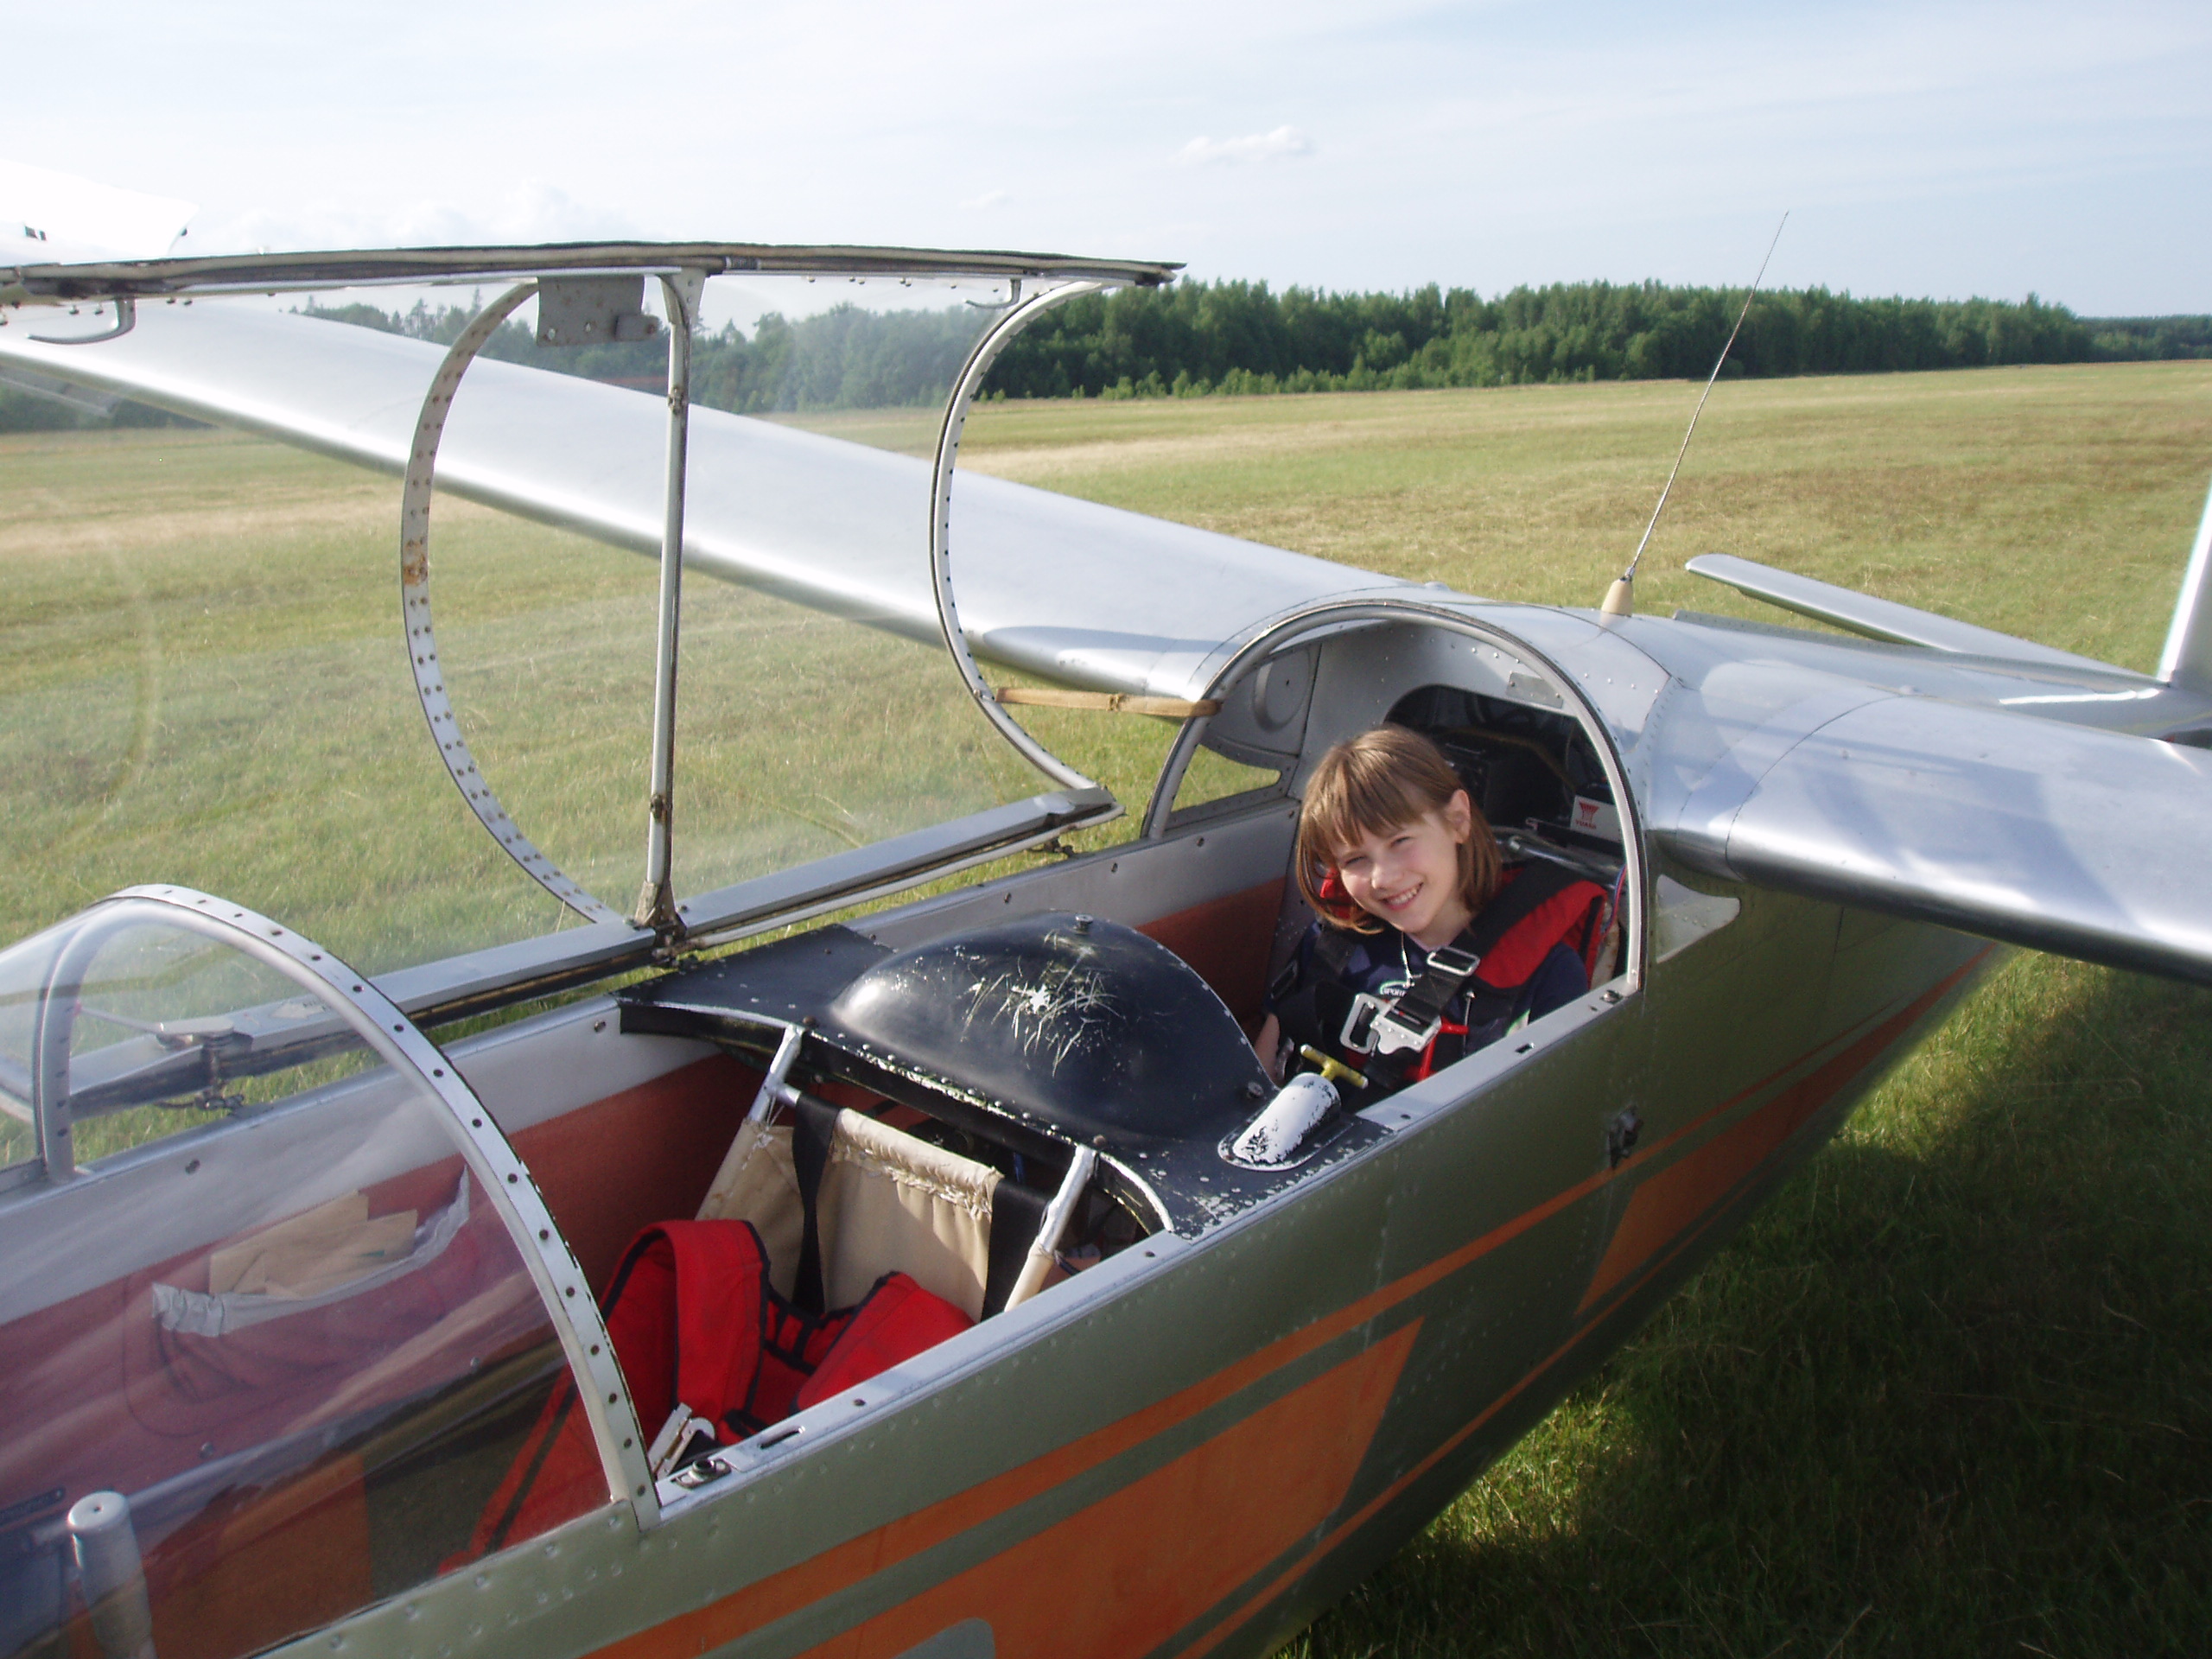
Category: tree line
<point>1201,337</point>
<point>1229,338</point>
<point>1238,338</point>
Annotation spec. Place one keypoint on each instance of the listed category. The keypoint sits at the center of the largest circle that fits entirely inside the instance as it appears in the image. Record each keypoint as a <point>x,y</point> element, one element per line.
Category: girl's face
<point>1409,876</point>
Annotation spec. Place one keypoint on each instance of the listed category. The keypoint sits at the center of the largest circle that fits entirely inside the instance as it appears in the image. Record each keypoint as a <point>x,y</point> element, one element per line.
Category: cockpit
<point>319,1261</point>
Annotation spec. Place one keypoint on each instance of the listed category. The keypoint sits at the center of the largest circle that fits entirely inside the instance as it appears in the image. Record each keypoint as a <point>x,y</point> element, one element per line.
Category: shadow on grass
<point>1950,1393</point>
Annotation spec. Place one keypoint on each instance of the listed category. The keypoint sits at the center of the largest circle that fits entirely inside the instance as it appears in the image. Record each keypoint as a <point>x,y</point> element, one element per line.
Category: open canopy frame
<point>595,291</point>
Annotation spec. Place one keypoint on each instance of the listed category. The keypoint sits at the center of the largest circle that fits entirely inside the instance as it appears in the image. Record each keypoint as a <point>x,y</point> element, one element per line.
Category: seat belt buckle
<point>1357,1036</point>
<point>1401,1027</point>
<point>1392,1032</point>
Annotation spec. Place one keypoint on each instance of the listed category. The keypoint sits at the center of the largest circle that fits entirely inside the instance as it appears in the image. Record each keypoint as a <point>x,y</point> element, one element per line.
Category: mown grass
<point>2053,502</point>
<point>1951,1392</point>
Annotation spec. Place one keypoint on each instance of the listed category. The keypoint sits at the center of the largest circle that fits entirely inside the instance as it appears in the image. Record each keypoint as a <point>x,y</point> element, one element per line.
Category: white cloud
<point>1283,144</point>
<point>530,210</point>
<point>988,198</point>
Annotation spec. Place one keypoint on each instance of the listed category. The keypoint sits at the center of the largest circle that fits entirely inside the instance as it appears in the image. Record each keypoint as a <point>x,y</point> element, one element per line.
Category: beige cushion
<point>889,1202</point>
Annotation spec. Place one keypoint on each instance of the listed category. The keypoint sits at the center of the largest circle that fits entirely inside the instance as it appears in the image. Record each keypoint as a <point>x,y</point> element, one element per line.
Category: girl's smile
<point>1410,875</point>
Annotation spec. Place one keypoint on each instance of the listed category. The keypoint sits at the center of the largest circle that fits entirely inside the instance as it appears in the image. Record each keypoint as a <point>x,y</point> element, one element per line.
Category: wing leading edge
<point>2056,836</point>
<point>1059,587</point>
<point>2059,837</point>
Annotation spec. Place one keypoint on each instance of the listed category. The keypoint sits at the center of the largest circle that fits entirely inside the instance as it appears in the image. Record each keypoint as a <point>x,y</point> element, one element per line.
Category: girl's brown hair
<point>1374,783</point>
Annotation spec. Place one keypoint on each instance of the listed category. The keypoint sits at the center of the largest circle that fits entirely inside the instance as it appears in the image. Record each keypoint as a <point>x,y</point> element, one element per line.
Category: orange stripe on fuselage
<point>1127,1573</point>
<point>786,1592</point>
<point>839,1567</point>
<point>1666,1206</point>
<point>1895,1027</point>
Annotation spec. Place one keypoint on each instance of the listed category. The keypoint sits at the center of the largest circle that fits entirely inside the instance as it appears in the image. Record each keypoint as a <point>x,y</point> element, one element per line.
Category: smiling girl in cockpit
<point>1427,947</point>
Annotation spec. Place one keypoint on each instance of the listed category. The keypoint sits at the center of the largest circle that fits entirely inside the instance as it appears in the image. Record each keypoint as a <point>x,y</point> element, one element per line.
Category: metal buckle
<point>1449,959</point>
<point>1392,1032</point>
<point>1357,1035</point>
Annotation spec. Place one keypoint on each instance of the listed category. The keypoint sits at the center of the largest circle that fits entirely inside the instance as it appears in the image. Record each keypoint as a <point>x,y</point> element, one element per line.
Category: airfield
<point>1951,1391</point>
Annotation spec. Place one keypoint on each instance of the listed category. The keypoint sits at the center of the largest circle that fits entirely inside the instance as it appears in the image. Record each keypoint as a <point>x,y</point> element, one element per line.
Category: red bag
<point>695,1321</point>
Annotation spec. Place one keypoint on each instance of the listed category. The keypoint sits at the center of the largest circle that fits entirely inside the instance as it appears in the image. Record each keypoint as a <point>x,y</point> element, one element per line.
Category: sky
<point>1943,148</point>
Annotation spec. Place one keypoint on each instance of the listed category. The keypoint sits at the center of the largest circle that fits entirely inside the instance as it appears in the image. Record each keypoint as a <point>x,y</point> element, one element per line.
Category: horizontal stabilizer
<point>2085,843</point>
<point>1068,589</point>
<point>1878,618</point>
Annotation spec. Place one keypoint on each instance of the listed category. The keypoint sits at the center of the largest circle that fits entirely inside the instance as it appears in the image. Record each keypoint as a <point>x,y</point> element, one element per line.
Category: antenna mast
<point>1620,598</point>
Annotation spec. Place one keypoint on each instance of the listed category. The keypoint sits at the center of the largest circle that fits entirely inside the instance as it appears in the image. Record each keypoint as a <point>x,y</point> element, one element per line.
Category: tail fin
<point>2187,660</point>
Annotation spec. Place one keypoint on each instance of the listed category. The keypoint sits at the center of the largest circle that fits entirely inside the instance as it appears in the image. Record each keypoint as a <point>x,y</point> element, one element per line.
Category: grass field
<point>1950,1393</point>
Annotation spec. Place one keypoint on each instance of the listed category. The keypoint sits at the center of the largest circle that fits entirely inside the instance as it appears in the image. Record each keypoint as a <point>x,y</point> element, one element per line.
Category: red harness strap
<point>695,1321</point>
<point>1573,916</point>
<point>1507,964</point>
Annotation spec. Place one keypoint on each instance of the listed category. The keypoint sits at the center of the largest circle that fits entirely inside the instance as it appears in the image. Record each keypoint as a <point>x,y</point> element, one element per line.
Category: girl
<point>1399,866</point>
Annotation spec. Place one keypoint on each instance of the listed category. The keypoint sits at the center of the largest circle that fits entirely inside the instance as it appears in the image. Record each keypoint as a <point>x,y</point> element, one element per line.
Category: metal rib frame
<point>1018,317</point>
<point>505,1179</point>
<point>414,616</point>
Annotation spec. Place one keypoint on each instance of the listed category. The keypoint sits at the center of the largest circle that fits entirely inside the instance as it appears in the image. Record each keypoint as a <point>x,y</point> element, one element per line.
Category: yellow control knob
<point>1332,1068</point>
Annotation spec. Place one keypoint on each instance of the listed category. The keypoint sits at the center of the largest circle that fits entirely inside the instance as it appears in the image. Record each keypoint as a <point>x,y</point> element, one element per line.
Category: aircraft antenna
<point>1620,598</point>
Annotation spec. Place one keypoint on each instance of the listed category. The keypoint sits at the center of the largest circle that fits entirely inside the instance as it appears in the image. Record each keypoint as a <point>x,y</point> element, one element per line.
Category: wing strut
<point>657,898</point>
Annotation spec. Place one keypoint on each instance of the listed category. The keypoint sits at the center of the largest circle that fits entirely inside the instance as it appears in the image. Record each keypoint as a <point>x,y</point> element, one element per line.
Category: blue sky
<point>1939,147</point>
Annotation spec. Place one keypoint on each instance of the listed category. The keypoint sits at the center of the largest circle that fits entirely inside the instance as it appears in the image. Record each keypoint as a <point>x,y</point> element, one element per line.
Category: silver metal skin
<point>1940,817</point>
<point>1019,314</point>
<point>1880,619</point>
<point>657,898</point>
<point>421,640</point>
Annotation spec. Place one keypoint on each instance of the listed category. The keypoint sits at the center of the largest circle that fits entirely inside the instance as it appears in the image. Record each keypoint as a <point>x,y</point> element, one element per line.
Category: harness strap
<point>814,1123</point>
<point>1413,1022</point>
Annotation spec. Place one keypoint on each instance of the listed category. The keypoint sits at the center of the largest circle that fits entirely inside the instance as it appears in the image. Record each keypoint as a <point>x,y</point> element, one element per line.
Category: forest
<point>1233,338</point>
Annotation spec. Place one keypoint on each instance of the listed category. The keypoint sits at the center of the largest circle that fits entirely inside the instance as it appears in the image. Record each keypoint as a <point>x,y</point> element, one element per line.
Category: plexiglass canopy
<point>660,758</point>
<point>269,1263</point>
